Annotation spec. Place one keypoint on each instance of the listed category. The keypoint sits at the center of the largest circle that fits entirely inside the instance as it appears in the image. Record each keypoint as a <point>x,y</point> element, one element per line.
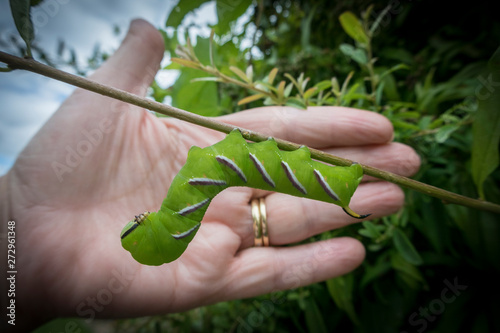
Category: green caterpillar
<point>161,237</point>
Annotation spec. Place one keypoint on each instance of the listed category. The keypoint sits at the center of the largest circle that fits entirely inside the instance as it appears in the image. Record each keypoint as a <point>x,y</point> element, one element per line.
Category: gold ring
<point>257,226</point>
<point>259,216</point>
<point>263,219</point>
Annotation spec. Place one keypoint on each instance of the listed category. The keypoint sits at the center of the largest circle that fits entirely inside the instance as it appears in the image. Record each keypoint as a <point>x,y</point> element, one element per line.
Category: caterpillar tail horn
<point>352,213</point>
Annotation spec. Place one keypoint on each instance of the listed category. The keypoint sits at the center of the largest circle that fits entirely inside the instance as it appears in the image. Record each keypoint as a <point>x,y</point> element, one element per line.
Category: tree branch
<point>33,66</point>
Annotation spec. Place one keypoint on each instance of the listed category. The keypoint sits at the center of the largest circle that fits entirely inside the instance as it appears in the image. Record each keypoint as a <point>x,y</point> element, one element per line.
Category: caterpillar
<point>155,238</point>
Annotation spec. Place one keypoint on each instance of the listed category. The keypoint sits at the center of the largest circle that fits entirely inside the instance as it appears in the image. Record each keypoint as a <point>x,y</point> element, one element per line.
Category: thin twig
<point>36,67</point>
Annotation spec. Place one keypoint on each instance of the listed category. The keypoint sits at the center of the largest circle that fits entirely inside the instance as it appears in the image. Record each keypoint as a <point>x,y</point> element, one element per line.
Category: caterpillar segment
<point>161,237</point>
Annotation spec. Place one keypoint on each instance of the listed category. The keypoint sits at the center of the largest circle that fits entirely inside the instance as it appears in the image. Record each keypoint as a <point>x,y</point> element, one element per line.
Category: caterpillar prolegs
<point>161,237</point>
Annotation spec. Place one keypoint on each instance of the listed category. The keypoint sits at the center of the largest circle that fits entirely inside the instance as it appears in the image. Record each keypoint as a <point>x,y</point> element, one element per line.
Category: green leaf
<point>407,115</point>
<point>424,122</point>
<point>335,85</point>
<point>21,13</point>
<point>314,317</point>
<point>390,87</point>
<point>341,290</point>
<point>264,86</point>
<point>392,69</point>
<point>207,79</point>
<point>251,98</point>
<point>375,272</point>
<point>296,103</point>
<point>200,97</point>
<point>210,49</point>
<point>310,93</point>
<point>352,26</point>
<point>486,126</point>
<point>366,233</point>
<point>272,75</point>
<point>229,11</point>
<point>281,89</point>
<point>185,62</point>
<point>353,93</point>
<point>292,79</point>
<point>406,248</point>
<point>408,272</point>
<point>379,92</point>
<point>379,19</point>
<point>181,10</point>
<point>306,28</point>
<point>303,83</point>
<point>355,54</point>
<point>240,74</point>
<point>445,131</point>
<point>370,230</point>
<point>322,85</point>
<point>288,89</point>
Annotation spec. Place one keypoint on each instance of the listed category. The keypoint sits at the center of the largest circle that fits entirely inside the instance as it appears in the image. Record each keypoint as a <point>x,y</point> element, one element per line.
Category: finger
<point>133,66</point>
<point>393,157</point>
<point>292,219</point>
<point>272,269</point>
<point>318,127</point>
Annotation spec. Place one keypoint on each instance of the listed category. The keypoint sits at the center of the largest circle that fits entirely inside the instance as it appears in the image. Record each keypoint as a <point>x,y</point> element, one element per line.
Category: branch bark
<point>33,66</point>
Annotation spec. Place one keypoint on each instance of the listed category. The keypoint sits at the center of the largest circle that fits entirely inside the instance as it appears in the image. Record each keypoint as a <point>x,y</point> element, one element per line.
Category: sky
<point>27,100</point>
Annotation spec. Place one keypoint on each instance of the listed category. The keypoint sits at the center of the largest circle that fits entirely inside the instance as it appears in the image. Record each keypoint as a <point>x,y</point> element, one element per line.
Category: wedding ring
<point>259,216</point>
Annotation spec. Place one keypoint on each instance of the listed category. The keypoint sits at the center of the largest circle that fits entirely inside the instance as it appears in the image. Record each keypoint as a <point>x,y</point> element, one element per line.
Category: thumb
<point>133,66</point>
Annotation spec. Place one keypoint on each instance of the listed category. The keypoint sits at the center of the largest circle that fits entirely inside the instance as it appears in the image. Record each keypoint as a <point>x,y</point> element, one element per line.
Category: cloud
<point>25,108</point>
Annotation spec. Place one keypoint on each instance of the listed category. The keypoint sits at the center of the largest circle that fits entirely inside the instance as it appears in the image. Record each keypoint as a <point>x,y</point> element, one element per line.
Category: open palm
<point>98,162</point>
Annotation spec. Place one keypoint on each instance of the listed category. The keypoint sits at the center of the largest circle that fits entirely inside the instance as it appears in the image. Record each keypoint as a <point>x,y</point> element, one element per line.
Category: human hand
<point>98,162</point>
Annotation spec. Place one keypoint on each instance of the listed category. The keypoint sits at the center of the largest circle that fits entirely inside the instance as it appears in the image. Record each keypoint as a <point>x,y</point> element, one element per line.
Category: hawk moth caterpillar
<point>161,237</point>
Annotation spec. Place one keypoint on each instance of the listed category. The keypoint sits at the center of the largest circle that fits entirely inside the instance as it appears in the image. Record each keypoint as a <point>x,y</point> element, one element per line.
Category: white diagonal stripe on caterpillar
<point>325,185</point>
<point>291,176</point>
<point>267,178</point>
<point>193,208</point>
<point>186,233</point>
<point>227,162</point>
<point>206,181</point>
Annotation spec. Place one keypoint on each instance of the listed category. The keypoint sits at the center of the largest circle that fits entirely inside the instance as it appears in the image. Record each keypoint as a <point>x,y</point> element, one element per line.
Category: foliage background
<point>432,98</point>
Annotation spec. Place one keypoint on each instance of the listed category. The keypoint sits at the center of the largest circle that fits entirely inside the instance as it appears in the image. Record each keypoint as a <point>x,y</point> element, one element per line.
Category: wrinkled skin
<point>68,223</point>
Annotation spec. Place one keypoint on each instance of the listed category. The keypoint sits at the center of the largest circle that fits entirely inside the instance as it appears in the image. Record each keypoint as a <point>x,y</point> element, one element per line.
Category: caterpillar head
<point>155,239</point>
